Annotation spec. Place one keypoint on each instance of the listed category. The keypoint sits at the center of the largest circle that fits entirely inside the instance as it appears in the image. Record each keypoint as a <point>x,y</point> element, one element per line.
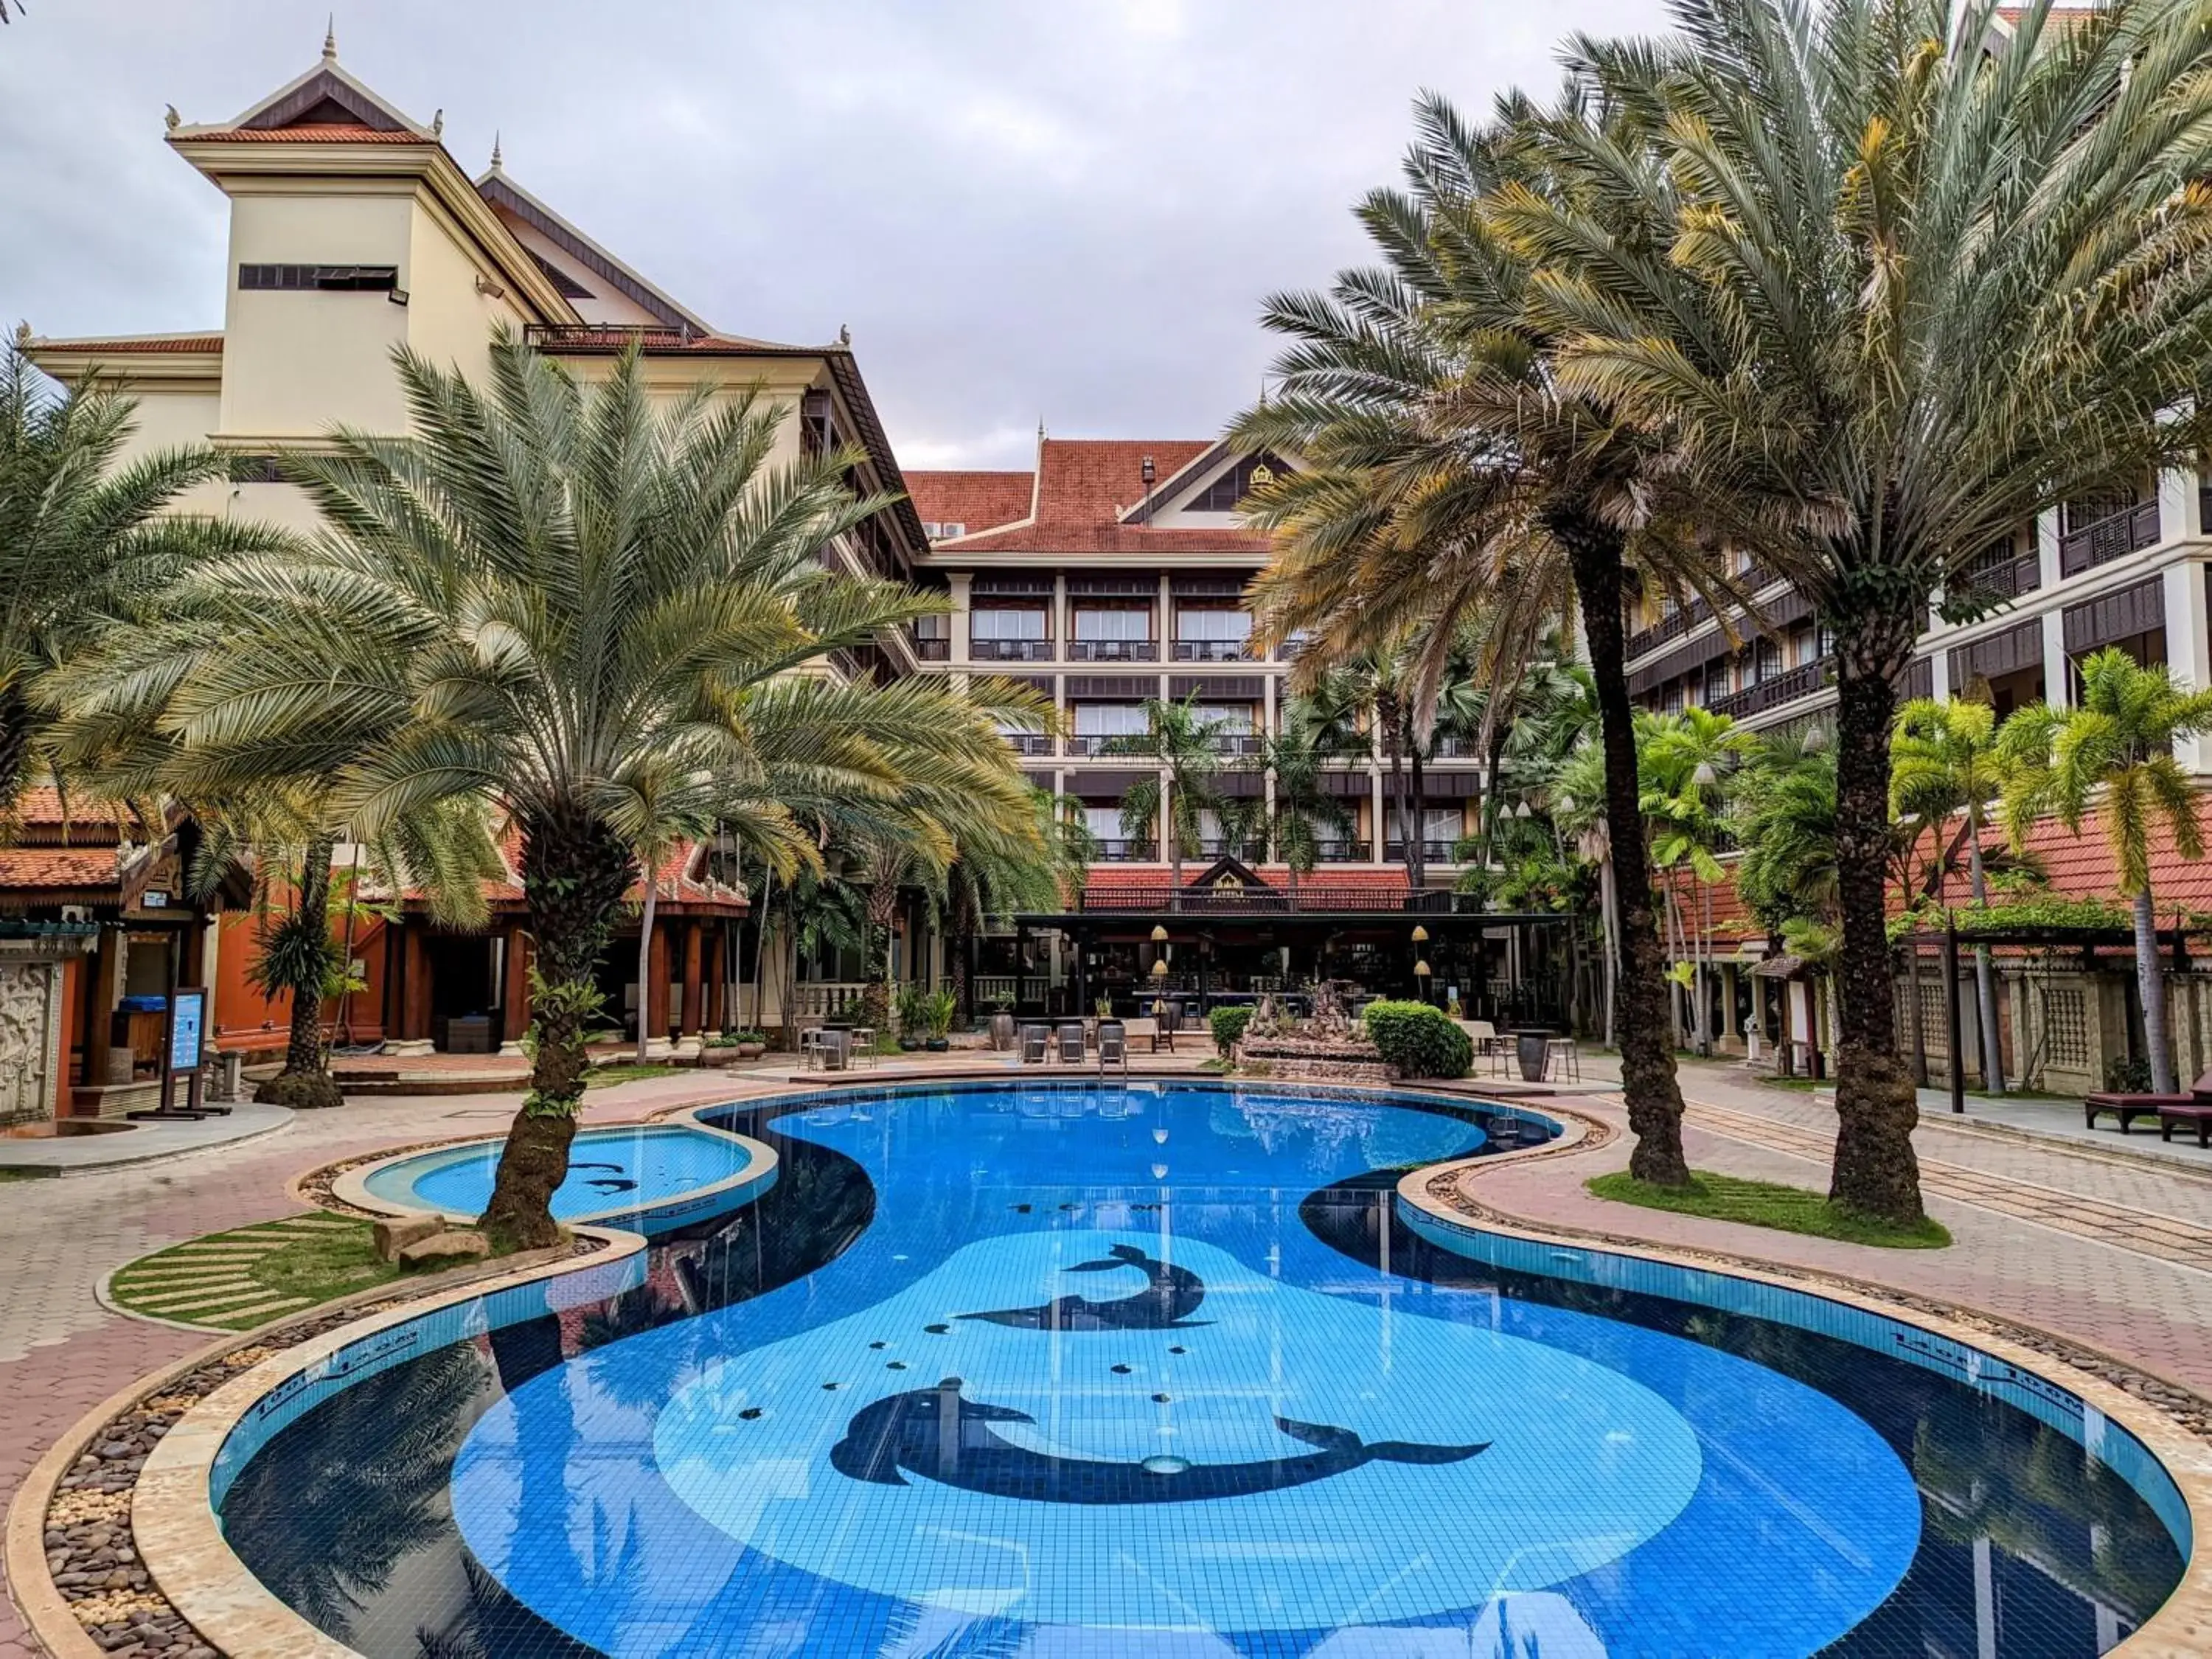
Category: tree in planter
<point>1447,473</point>
<point>562,601</point>
<point>86,542</point>
<point>1896,350</point>
<point>2115,747</point>
<point>1179,741</point>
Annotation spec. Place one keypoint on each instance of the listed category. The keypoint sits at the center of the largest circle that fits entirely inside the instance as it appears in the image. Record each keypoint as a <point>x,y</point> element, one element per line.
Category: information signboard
<point>187,1030</point>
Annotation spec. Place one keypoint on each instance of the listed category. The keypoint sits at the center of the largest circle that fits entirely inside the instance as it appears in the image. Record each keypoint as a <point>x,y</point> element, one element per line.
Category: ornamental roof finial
<point>331,40</point>
<point>494,150</point>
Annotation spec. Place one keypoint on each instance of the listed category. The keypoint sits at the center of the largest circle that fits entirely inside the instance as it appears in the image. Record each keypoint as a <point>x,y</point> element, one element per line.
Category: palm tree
<point>586,609</point>
<point>1447,473</point>
<point>1304,813</point>
<point>2115,744</point>
<point>87,537</point>
<point>1179,741</point>
<point>1943,759</point>
<point>1893,348</point>
<point>990,876</point>
<point>1687,759</point>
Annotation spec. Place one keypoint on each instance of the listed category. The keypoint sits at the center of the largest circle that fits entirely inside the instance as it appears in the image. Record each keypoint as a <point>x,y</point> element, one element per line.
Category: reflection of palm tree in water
<point>324,1518</point>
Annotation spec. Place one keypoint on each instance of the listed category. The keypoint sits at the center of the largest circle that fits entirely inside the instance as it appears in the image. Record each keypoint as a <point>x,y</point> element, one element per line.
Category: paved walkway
<point>2110,1249</point>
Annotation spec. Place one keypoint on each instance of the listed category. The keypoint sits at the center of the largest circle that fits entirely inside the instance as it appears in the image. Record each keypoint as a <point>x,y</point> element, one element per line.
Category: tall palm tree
<point>87,538</point>
<point>1943,760</point>
<point>990,876</point>
<point>2115,747</point>
<point>1926,271</point>
<point>587,608</point>
<point>1179,741</point>
<point>1687,762</point>
<point>1449,472</point>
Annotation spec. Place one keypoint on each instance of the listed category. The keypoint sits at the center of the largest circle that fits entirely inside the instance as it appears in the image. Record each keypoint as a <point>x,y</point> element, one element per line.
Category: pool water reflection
<point>1154,1369</point>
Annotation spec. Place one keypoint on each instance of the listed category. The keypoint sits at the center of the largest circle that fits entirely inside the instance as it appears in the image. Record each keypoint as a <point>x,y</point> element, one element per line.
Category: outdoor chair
<point>862,1049</point>
<point>1562,1054</point>
<point>2127,1107</point>
<point>810,1047</point>
<point>1113,1046</point>
<point>1071,1044</point>
<point>1481,1033</point>
<point>1036,1040</point>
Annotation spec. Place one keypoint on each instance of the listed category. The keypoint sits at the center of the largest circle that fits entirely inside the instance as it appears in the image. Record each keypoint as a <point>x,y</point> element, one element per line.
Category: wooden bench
<point>2199,1113</point>
<point>2128,1107</point>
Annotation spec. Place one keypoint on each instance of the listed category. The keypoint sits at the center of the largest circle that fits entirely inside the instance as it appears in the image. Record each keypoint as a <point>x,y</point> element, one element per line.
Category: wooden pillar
<point>695,984</point>
<point>515,999</point>
<point>395,973</point>
<point>718,978</point>
<point>656,1024</point>
<point>415,1014</point>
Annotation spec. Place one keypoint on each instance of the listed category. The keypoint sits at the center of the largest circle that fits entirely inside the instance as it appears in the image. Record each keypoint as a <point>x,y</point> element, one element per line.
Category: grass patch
<point>1767,1204</point>
<point>21,1174</point>
<point>1803,1085</point>
<point>307,1268</point>
<point>627,1071</point>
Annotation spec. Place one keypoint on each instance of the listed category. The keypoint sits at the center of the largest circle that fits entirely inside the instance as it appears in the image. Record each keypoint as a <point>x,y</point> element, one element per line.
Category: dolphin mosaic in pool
<point>937,1434</point>
<point>896,1408</point>
<point>1170,1294</point>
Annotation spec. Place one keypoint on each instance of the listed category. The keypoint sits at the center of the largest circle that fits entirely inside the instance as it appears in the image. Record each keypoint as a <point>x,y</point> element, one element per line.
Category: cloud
<point>1070,209</point>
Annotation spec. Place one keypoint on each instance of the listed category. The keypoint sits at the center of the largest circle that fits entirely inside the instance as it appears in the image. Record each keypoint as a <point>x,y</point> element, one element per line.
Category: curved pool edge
<point>351,1185</point>
<point>2180,1629</point>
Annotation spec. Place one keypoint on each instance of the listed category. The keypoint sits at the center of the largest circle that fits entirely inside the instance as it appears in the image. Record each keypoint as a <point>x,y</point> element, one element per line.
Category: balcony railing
<point>2008,579</point>
<point>1432,852</point>
<point>2113,537</point>
<point>1107,743</point>
<point>932,650</point>
<point>1315,893</point>
<point>1344,852</point>
<point>1239,742</point>
<point>1028,742</point>
<point>1010,650</point>
<point>1211,650</point>
<point>1457,749</point>
<point>605,337</point>
<point>1670,626</point>
<point>1788,686</point>
<point>1113,650</point>
<point>1118,851</point>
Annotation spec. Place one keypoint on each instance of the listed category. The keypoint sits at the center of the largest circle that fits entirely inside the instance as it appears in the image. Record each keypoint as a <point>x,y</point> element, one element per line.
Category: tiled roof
<point>335,133</point>
<point>982,501</point>
<point>1083,485</point>
<point>1123,881</point>
<point>2082,866</point>
<point>27,871</point>
<point>137,344</point>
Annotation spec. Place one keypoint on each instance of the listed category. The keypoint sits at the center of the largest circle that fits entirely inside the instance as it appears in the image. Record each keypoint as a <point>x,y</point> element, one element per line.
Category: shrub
<point>1419,1040</point>
<point>1228,1025</point>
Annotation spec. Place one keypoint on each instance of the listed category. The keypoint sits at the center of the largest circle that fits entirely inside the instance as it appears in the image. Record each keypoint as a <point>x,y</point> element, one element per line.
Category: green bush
<point>1228,1025</point>
<point>1419,1040</point>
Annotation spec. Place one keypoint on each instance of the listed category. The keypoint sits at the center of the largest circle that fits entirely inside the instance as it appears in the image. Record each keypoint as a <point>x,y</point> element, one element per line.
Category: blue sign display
<point>187,1030</point>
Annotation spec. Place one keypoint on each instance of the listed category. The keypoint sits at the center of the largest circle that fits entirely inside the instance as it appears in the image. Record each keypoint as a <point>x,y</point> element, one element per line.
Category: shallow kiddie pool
<point>1071,1371</point>
<point>651,1177</point>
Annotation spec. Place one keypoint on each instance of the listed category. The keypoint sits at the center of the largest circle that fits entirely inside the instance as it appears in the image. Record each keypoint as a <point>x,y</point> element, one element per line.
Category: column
<point>514,993</point>
<point>1056,628</point>
<point>1271,718</point>
<point>958,621</point>
<point>2187,651</point>
<point>1378,847</point>
<point>2046,549</point>
<point>415,1006</point>
<point>2058,687</point>
<point>654,1003</point>
<point>695,984</point>
<point>2176,505</point>
<point>1939,674</point>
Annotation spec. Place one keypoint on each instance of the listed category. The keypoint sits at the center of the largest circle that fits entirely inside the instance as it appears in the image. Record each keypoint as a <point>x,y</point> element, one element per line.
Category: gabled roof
<point>327,97</point>
<point>1081,496</point>
<point>980,501</point>
<point>505,196</point>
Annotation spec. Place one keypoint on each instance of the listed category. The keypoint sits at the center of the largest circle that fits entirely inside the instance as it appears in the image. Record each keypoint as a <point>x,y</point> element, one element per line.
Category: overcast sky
<point>1066,210</point>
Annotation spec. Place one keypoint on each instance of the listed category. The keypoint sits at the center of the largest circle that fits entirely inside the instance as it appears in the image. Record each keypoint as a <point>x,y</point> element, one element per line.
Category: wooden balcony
<point>1786,687</point>
<point>2113,537</point>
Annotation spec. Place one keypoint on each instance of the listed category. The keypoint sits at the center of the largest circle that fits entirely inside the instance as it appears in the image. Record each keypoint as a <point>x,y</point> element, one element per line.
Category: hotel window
<point>329,279</point>
<point>1227,717</point>
<point>1440,826</point>
<point>1109,719</point>
<point>1103,822</point>
<point>1717,682</point>
<point>1009,633</point>
<point>1205,634</point>
<point>1222,494</point>
<point>1115,622</point>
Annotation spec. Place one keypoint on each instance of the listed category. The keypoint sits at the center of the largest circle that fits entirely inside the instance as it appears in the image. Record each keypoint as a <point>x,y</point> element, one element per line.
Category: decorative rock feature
<point>457,1245</point>
<point>396,1234</point>
<point>1319,1060</point>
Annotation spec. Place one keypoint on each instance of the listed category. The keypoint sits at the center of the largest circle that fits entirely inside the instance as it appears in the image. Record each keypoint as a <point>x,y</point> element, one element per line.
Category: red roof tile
<point>982,501</point>
<point>26,872</point>
<point>1085,485</point>
<point>2082,866</point>
<point>152,342</point>
<point>333,133</point>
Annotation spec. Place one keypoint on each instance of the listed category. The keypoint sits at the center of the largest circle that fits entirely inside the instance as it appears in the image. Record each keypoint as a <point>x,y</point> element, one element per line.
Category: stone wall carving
<point>30,1036</point>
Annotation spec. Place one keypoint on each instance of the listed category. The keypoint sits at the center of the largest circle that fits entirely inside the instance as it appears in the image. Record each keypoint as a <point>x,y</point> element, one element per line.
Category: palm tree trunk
<point>304,1081</point>
<point>1985,977</point>
<point>1647,1059</point>
<point>645,965</point>
<point>1610,918</point>
<point>1416,859</point>
<point>575,872</point>
<point>2151,984</point>
<point>14,754</point>
<point>760,952</point>
<point>883,909</point>
<point>1877,1103</point>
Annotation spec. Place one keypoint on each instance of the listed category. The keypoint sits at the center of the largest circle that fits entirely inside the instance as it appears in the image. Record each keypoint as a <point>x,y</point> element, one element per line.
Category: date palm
<point>86,539</point>
<point>1449,473</point>
<point>588,610</point>
<point>2114,749</point>
<point>1927,271</point>
<point>1178,740</point>
<point>1944,761</point>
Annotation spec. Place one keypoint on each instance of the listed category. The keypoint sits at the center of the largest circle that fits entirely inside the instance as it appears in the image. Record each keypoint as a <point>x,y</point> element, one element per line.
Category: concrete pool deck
<point>2047,1238</point>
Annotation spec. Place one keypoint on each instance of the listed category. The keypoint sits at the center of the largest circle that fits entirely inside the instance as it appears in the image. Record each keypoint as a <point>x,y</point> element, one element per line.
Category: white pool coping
<point>752,1179</point>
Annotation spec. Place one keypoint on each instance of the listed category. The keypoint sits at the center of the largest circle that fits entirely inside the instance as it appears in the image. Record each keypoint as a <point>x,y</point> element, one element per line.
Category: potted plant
<point>752,1043</point>
<point>1002,1026</point>
<point>913,1001</point>
<point>936,1011</point>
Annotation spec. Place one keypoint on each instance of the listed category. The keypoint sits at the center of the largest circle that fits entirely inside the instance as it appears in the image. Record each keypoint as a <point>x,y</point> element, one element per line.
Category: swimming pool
<point>653,1178</point>
<point>1160,1368</point>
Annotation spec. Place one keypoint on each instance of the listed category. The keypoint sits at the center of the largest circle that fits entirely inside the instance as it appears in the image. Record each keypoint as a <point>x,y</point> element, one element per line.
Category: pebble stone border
<point>2174,1422</point>
<point>82,1493</point>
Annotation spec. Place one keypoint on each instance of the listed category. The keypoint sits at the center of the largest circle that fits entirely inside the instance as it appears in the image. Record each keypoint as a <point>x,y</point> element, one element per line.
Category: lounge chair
<point>1113,1046</point>
<point>2127,1107</point>
<point>1071,1044</point>
<point>2196,1114</point>
<point>1036,1041</point>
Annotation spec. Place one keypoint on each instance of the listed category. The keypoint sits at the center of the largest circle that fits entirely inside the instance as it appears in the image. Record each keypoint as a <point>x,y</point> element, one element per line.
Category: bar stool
<point>1563,1052</point>
<point>811,1055</point>
<point>863,1049</point>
